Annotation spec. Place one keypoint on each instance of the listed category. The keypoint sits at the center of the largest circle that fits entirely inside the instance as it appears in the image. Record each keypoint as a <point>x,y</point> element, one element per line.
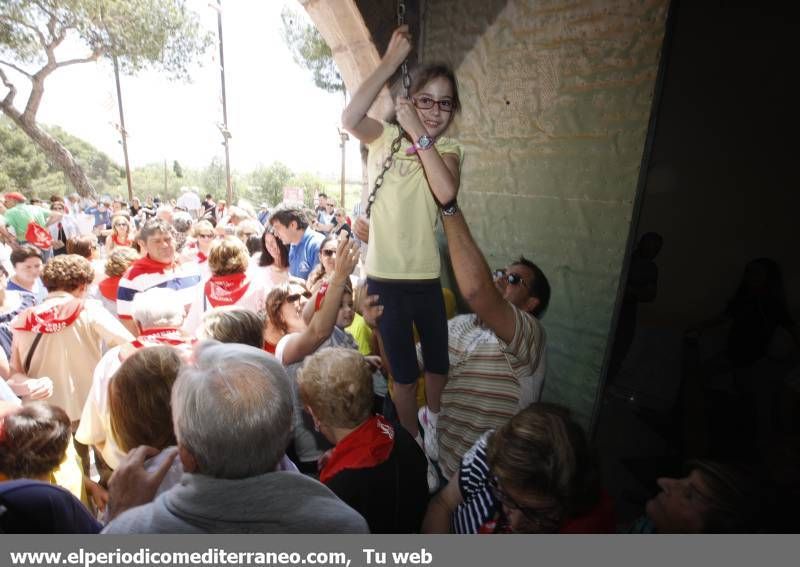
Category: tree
<point>310,50</point>
<point>24,167</point>
<point>213,176</point>
<point>271,181</point>
<point>161,34</point>
<point>20,163</point>
<point>312,186</point>
<point>177,169</point>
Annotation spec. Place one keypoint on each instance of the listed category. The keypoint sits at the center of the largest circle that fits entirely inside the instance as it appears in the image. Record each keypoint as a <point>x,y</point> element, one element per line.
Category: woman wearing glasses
<point>327,263</point>
<point>402,265</point>
<point>294,339</point>
<point>122,233</point>
<point>536,474</point>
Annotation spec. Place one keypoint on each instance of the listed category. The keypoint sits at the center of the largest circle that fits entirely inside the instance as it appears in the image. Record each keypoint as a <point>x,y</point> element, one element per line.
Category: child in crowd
<point>420,171</point>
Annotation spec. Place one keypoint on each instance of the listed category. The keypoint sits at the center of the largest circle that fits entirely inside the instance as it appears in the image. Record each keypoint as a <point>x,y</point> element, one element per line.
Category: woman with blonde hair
<point>376,468</point>
<point>122,233</point>
<point>228,285</point>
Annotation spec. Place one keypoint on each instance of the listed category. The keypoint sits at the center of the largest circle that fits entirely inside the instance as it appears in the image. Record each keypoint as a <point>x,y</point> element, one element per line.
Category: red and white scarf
<point>160,336</point>
<point>226,290</point>
<point>367,446</point>
<point>50,320</point>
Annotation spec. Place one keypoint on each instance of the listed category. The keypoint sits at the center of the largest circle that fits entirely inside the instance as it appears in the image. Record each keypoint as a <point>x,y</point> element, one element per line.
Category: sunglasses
<point>541,517</point>
<point>424,102</point>
<point>328,253</point>
<point>512,279</point>
<point>294,297</point>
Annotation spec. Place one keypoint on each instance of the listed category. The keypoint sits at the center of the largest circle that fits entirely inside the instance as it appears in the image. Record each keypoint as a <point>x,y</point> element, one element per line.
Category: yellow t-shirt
<point>402,243</point>
<point>362,334</point>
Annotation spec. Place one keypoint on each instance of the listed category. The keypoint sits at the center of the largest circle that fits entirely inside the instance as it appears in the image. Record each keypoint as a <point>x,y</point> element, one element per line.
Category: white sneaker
<point>428,434</point>
<point>433,478</point>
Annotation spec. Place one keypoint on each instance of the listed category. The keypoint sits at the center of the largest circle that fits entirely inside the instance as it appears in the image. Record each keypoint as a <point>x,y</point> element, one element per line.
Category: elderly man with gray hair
<point>232,412</point>
<point>158,314</point>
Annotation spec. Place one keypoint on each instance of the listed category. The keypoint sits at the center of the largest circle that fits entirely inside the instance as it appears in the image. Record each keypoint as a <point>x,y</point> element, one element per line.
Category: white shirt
<point>189,201</point>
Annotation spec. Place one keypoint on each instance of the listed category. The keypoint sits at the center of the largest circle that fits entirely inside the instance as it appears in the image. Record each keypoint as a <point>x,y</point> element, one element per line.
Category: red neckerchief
<point>226,290</point>
<point>118,243</point>
<point>147,265</point>
<point>167,336</point>
<point>201,257</point>
<point>108,288</point>
<point>51,320</point>
<point>269,347</point>
<point>368,445</point>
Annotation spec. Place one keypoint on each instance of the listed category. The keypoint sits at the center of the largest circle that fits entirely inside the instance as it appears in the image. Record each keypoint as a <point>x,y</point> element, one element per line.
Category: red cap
<point>14,196</point>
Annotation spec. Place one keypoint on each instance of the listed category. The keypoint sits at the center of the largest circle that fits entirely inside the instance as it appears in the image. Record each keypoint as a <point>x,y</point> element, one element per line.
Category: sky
<point>275,113</point>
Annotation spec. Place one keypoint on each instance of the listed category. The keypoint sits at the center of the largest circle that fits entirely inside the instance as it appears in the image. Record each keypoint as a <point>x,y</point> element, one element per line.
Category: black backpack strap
<point>31,351</point>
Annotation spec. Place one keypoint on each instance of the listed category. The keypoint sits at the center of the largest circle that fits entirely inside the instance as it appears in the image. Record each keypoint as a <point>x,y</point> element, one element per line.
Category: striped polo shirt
<point>145,273</point>
<point>489,381</point>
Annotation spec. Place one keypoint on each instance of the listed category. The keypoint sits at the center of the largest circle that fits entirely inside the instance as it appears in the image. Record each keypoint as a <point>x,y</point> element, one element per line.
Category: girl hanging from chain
<point>417,170</point>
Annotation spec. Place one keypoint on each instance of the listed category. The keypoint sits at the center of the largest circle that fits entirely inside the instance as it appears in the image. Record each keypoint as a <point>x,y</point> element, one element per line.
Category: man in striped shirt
<point>497,354</point>
<point>158,268</point>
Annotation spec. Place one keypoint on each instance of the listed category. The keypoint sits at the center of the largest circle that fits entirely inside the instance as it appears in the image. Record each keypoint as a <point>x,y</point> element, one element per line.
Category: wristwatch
<point>425,142</point>
<point>449,209</point>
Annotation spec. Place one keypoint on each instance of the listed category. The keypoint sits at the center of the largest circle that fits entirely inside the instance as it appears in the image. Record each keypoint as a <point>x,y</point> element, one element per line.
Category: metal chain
<point>387,163</point>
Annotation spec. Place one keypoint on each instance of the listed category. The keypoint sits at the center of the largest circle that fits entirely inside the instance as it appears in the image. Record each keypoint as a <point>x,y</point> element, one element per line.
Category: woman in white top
<point>271,265</point>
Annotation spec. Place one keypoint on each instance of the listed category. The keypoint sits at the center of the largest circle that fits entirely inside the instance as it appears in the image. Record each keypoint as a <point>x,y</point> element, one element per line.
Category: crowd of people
<point>216,387</point>
<point>201,368</point>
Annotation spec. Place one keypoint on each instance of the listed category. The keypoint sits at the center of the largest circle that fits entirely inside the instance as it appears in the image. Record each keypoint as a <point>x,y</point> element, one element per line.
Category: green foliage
<point>311,185</point>
<point>267,183</point>
<point>177,169</point>
<point>24,167</point>
<point>212,179</point>
<point>144,33</point>
<point>20,162</point>
<point>309,50</point>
